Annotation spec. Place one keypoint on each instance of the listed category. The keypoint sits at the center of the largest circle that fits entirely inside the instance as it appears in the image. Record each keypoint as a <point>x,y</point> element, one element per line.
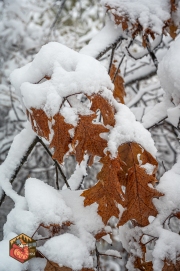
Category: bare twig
<point>56,163</point>
<point>121,62</point>
<point>57,183</point>
<point>109,47</point>
<point>111,57</point>
<point>151,53</point>
<point>58,14</point>
<point>12,104</point>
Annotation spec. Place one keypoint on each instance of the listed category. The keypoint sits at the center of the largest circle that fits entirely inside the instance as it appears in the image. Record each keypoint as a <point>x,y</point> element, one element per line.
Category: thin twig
<point>12,104</point>
<point>111,58</point>
<point>151,53</point>
<point>56,163</point>
<point>57,183</point>
<point>117,70</point>
<point>108,48</point>
<point>58,14</point>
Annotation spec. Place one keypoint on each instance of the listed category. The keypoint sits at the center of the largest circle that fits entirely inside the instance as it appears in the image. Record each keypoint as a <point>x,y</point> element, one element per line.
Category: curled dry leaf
<point>107,110</point>
<point>87,138</point>
<point>119,91</point>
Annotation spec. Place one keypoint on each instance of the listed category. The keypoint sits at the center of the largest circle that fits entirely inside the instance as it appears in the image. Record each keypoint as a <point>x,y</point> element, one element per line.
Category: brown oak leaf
<point>107,192</point>
<point>139,196</point>
<point>143,266</point>
<point>61,138</point>
<point>131,153</point>
<point>170,266</point>
<point>87,138</point>
<point>107,110</point>
<point>51,266</point>
<point>39,122</point>
<point>119,91</point>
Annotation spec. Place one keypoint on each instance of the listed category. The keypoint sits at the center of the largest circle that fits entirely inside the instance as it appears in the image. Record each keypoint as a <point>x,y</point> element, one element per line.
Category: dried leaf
<point>107,192</point>
<point>143,266</point>
<point>39,122</point>
<point>107,110</point>
<point>119,91</point>
<point>131,153</point>
<point>172,30</point>
<point>51,266</point>
<point>100,234</point>
<point>61,138</point>
<point>87,139</point>
<point>139,196</point>
<point>169,266</point>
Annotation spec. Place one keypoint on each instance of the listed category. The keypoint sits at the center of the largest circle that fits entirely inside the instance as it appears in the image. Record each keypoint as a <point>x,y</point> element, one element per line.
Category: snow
<point>127,129</point>
<point>67,250</point>
<point>107,36</point>
<point>113,253</point>
<point>76,178</point>
<point>168,73</point>
<point>149,168</point>
<point>169,70</point>
<point>157,113</point>
<point>46,203</point>
<point>48,206</point>
<point>167,247</point>
<point>70,73</point>
<point>150,14</point>
<point>17,151</point>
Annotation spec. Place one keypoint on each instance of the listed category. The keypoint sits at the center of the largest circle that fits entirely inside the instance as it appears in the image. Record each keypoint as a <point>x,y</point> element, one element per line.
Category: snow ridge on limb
<point>20,148</point>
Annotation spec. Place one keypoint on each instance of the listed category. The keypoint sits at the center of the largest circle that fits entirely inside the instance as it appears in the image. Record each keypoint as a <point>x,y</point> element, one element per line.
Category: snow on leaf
<point>107,192</point>
<point>143,17</point>
<point>87,139</point>
<point>139,197</point>
<point>61,138</point>
<point>132,153</point>
<point>107,111</point>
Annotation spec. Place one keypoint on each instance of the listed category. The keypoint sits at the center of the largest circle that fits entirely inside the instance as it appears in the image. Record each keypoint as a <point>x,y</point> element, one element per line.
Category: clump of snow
<point>149,168</point>
<point>67,250</point>
<point>46,203</point>
<point>167,248</point>
<point>169,70</point>
<point>113,253</point>
<point>127,129</point>
<point>107,36</point>
<point>168,73</point>
<point>150,14</point>
<point>69,72</point>
<point>19,221</point>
